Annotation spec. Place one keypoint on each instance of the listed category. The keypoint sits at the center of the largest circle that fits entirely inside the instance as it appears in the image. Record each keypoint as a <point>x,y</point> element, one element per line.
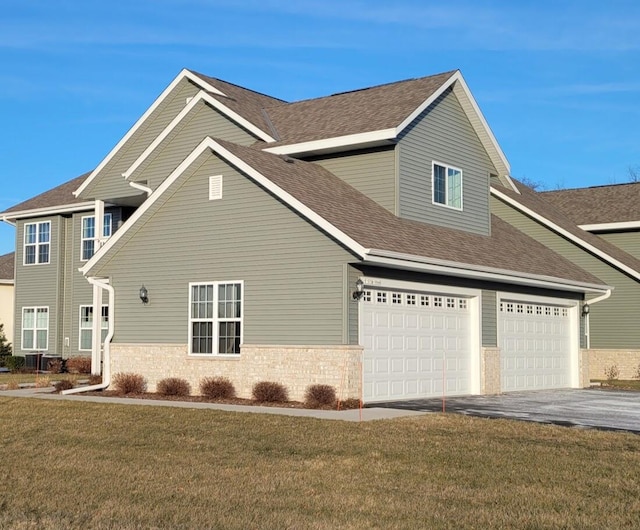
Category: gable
<point>442,133</point>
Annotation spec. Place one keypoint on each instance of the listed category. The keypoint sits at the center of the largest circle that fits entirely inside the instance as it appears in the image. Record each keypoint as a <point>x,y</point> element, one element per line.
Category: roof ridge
<point>205,77</point>
<point>615,184</point>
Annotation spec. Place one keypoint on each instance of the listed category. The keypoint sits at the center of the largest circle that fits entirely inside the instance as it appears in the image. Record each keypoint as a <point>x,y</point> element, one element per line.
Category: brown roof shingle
<point>59,196</point>
<point>7,266</point>
<point>372,226</point>
<point>599,204</point>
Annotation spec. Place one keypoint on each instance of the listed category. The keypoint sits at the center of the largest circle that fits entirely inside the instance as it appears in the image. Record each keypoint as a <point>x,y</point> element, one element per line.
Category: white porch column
<point>99,225</point>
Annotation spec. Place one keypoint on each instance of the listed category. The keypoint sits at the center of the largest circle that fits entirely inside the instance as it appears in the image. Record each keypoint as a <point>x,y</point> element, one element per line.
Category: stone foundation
<point>627,361</point>
<point>490,371</point>
<point>296,367</point>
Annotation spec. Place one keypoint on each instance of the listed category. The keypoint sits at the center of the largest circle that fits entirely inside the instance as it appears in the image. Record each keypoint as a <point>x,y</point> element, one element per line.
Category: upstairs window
<point>447,186</point>
<point>215,318</point>
<point>37,241</point>
<point>89,234</point>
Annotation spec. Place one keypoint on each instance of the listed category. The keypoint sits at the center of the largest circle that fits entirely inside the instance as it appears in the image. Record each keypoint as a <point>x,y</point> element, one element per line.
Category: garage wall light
<point>585,310</point>
<point>144,294</point>
<point>359,292</point>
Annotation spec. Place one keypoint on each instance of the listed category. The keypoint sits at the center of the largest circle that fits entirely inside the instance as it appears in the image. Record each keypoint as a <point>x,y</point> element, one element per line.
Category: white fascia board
<point>200,96</point>
<point>208,143</point>
<point>349,140</point>
<point>7,282</point>
<point>463,270</point>
<point>53,210</point>
<point>603,227</point>
<point>566,234</point>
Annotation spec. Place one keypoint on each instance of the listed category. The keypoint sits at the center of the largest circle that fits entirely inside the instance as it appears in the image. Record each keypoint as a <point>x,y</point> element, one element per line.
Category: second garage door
<point>415,344</point>
<point>536,345</point>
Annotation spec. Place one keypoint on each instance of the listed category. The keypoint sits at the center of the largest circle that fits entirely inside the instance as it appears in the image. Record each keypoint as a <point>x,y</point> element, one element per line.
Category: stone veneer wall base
<point>296,367</point>
<point>627,361</point>
<point>490,371</point>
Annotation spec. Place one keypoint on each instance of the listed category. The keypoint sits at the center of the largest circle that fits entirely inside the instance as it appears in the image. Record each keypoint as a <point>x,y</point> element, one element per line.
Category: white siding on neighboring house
<point>6,308</point>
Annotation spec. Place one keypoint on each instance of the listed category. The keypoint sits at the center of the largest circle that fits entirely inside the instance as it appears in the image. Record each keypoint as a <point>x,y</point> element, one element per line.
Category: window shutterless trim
<point>447,199</point>
<point>34,329</point>
<point>94,238</point>
<point>104,325</point>
<point>37,244</point>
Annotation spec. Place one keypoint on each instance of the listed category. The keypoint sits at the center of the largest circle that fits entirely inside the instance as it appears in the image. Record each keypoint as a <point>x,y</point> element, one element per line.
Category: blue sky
<point>558,81</point>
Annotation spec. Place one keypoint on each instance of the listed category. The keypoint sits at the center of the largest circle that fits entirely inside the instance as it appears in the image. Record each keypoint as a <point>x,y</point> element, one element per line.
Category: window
<point>37,239</point>
<point>86,325</point>
<point>35,328</point>
<point>447,186</point>
<point>215,318</point>
<point>89,234</point>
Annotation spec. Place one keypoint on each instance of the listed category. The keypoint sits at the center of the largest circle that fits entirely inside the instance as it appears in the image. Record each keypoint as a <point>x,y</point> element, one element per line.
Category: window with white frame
<point>37,241</point>
<point>215,318</point>
<point>88,237</point>
<point>35,328</point>
<point>86,325</point>
<point>447,186</point>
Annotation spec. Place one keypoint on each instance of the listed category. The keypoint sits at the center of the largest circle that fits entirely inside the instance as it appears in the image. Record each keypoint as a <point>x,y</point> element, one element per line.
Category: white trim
<point>145,189</point>
<point>349,140</point>
<point>7,282</point>
<point>37,212</point>
<point>602,227</point>
<point>465,270</point>
<point>37,243</point>
<point>215,319</point>
<point>565,233</point>
<point>208,143</point>
<point>446,204</point>
<point>96,238</point>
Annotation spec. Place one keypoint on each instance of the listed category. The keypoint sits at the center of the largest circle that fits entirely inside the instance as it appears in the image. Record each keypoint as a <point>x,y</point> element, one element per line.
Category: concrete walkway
<point>367,414</point>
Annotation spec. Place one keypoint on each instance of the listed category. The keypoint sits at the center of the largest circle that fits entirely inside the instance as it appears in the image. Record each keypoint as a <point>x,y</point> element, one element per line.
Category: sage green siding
<point>627,241</point>
<point>371,172</point>
<point>613,322</point>
<point>201,122</point>
<point>109,183</point>
<point>293,274</point>
<point>443,133</point>
<point>489,319</point>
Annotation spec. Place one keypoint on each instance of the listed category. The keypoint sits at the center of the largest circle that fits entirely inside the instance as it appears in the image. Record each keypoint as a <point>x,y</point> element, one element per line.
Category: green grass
<point>82,465</point>
<point>32,378</point>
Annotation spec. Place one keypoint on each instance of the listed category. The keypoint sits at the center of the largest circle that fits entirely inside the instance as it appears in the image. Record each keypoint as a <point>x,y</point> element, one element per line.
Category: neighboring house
<point>345,240</point>
<point>7,290</point>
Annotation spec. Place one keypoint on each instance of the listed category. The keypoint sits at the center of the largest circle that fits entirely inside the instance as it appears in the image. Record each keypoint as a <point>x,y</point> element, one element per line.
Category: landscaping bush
<point>217,388</point>
<point>55,366</point>
<point>318,396</point>
<point>79,365</point>
<point>129,383</point>
<point>611,372</point>
<point>14,363</point>
<point>269,392</point>
<point>95,379</point>
<point>349,403</point>
<point>173,386</point>
<point>43,382</point>
<point>65,384</point>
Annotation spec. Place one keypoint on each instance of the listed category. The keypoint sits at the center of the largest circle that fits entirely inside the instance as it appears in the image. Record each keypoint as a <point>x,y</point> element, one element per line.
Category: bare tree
<point>634,173</point>
<point>534,184</point>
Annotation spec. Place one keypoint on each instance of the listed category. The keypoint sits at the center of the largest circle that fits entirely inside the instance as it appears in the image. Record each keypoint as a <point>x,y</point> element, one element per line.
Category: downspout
<point>106,359</point>
<point>140,187</point>
<point>586,313</point>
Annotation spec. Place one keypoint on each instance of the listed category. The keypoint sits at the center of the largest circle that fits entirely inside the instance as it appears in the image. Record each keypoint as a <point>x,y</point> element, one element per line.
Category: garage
<point>537,344</point>
<point>417,343</point>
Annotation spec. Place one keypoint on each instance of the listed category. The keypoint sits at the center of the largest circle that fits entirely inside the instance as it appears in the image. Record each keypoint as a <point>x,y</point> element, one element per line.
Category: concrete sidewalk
<point>367,414</point>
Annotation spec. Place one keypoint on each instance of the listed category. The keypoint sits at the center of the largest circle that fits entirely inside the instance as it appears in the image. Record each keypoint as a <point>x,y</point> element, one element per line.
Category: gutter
<point>106,361</point>
<point>6,220</point>
<point>586,313</point>
<point>140,187</point>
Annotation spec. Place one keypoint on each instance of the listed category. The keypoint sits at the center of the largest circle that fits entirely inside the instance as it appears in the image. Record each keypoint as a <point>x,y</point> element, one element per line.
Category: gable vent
<point>215,187</point>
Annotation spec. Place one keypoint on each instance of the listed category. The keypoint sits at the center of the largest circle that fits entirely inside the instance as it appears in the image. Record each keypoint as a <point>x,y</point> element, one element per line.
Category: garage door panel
<point>411,331</point>
<point>535,346</point>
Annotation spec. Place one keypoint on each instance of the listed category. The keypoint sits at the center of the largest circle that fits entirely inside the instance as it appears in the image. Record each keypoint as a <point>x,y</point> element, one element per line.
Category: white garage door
<point>415,344</point>
<point>535,344</point>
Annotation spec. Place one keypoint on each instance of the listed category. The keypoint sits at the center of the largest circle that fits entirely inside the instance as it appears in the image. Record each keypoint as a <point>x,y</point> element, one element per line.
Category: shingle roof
<point>599,204</point>
<point>359,111</point>
<point>245,102</point>
<point>372,226</point>
<point>539,203</point>
<point>7,264</point>
<point>59,196</point>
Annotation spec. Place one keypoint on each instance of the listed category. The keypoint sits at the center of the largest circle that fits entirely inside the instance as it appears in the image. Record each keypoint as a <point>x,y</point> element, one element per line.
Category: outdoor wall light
<point>144,294</point>
<point>359,292</point>
<point>585,310</point>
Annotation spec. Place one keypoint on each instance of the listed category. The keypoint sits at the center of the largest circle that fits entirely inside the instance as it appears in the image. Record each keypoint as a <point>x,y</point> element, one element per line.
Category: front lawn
<point>18,378</point>
<point>83,465</point>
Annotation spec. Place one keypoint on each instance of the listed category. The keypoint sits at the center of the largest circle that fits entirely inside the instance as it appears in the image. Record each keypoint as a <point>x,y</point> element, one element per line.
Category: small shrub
<point>64,384</point>
<point>79,365</point>
<point>95,379</point>
<point>173,386</point>
<point>43,382</point>
<point>611,372</point>
<point>269,392</point>
<point>217,388</point>
<point>55,366</point>
<point>129,383</point>
<point>349,403</point>
<point>317,396</point>
<point>13,384</point>
<point>14,363</point>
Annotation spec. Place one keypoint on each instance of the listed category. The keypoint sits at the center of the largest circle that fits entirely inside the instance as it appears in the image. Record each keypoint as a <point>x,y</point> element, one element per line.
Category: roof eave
<point>49,210</point>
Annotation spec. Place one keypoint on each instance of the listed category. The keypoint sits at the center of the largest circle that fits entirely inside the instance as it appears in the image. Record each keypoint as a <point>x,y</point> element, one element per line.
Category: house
<point>7,293</point>
<point>346,240</point>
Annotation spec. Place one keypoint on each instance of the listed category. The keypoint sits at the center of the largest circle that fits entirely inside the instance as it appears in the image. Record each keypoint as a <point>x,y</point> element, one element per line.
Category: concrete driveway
<point>586,408</point>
